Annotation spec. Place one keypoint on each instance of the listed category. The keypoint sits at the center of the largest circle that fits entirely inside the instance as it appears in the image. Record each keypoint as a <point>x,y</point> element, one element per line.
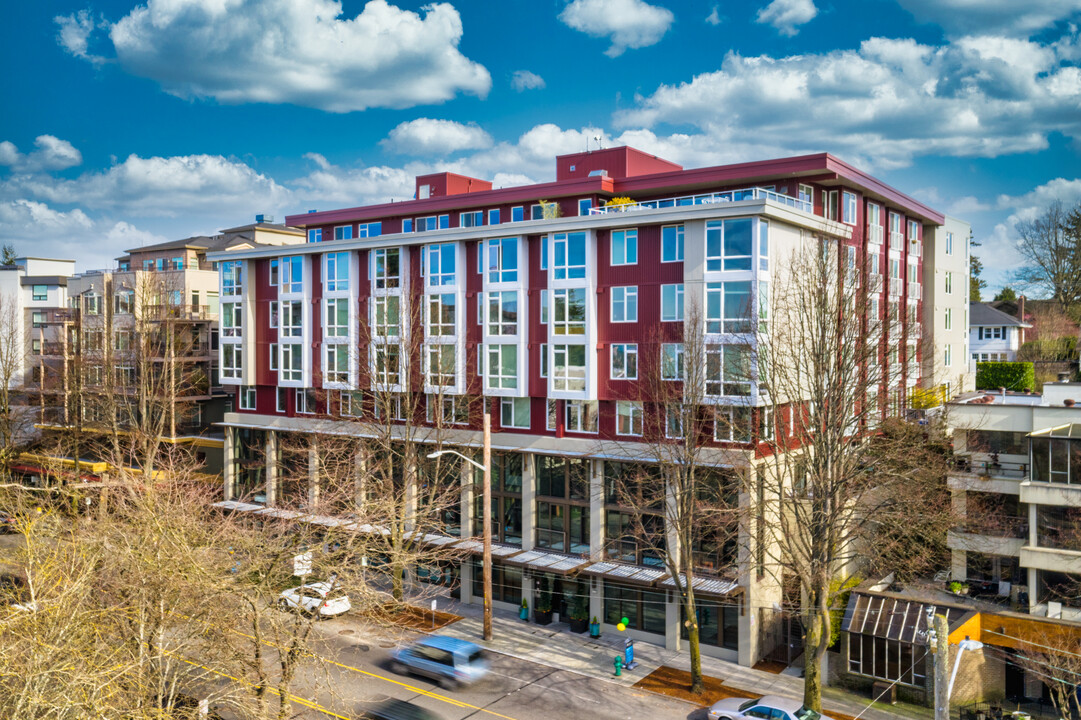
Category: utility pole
<point>940,648</point>
<point>487,491</point>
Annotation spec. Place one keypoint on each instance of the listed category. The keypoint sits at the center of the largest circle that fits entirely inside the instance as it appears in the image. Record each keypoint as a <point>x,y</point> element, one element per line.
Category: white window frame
<point>624,361</point>
<point>567,271</point>
<point>232,361</point>
<point>507,408</point>
<point>291,323</point>
<point>247,399</point>
<point>677,235</point>
<point>438,325</point>
<point>332,327</point>
<point>493,216</point>
<point>497,301</point>
<point>627,297</point>
<point>383,279</point>
<point>435,259</point>
<point>337,265</point>
<point>628,243</point>
<point>384,328</point>
<point>581,416</point>
<point>343,232</point>
<point>291,371</point>
<point>273,357</point>
<point>471,218</point>
<point>584,206</point>
<point>544,360</point>
<point>494,378</point>
<point>292,274</point>
<point>672,361</point>
<point>629,419</point>
<point>274,311</point>
<point>848,207</point>
<point>718,384</point>
<point>336,356</point>
<point>561,298</point>
<point>437,371</point>
<point>672,303</point>
<point>315,235</point>
<point>499,254</point>
<point>563,379</point>
<point>387,365</point>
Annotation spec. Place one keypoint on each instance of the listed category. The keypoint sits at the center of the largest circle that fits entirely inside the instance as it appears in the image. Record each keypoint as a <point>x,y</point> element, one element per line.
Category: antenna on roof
<point>598,139</point>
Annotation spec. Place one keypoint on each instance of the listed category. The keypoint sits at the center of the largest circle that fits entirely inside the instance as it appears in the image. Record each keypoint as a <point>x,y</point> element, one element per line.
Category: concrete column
<point>313,474</point>
<point>466,506</point>
<point>958,565</point>
<point>1032,537</point>
<point>465,576</point>
<point>596,598</point>
<point>409,472</point>
<point>1031,589</point>
<point>360,469</point>
<point>596,510</point>
<point>529,505</point>
<point>672,640</point>
<point>229,489</point>
<point>270,450</point>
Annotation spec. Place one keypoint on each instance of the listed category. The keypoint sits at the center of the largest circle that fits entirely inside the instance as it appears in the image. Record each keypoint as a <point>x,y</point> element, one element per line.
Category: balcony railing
<point>180,312</point>
<point>897,240</point>
<point>874,234</point>
<point>915,248</point>
<point>895,287</point>
<point>915,291</point>
<point>753,193</point>
<point>992,468</point>
<point>1003,526</point>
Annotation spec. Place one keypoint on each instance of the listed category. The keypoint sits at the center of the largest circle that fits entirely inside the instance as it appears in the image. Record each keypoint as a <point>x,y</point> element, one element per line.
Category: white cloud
<point>714,17</point>
<point>126,236</point>
<point>993,16</point>
<point>965,206</point>
<point>425,136</point>
<point>526,80</point>
<point>787,15</point>
<point>74,35</point>
<point>292,51</point>
<point>337,186</point>
<point>880,105</point>
<point>52,154</point>
<point>628,23</point>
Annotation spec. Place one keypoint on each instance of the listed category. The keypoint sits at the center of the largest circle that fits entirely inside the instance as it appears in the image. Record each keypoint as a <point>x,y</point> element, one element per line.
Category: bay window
<point>232,277</point>
<point>569,312</point>
<point>292,362</point>
<point>569,367</point>
<point>728,307</point>
<point>387,316</point>
<point>231,361</point>
<point>337,272</point>
<point>387,365</point>
<point>503,313</point>
<point>292,321</point>
<point>441,364</point>
<point>441,314</point>
<point>569,255</point>
<point>728,370</point>
<point>337,365</point>
<point>503,260</point>
<point>441,262</point>
<point>729,244</point>
<point>386,262</point>
<point>231,320</point>
<point>337,317</point>
<point>502,367</point>
<point>292,274</point>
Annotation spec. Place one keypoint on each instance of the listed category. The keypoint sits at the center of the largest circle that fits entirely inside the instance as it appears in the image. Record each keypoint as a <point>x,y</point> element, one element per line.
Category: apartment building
<point>946,309</point>
<point>548,301</point>
<point>995,336</point>
<point>136,347</point>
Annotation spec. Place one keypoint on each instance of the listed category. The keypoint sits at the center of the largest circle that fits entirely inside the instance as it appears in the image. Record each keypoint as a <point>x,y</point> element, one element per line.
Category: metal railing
<point>874,234</point>
<point>992,468</point>
<point>182,312</point>
<point>752,193</point>
<point>1006,526</point>
<point>915,291</point>
<point>897,240</point>
<point>895,287</point>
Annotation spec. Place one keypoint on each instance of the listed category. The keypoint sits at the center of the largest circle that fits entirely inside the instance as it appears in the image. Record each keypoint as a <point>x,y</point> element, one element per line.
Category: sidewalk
<point>554,645</point>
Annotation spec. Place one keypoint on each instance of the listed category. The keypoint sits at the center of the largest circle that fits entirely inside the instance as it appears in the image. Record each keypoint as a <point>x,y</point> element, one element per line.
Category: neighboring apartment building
<point>548,302</point>
<point>995,336</point>
<point>148,329</point>
<point>946,308</point>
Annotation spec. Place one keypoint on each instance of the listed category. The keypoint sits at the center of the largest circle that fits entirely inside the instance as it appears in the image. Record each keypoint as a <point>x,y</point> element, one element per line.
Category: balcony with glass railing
<point>752,193</point>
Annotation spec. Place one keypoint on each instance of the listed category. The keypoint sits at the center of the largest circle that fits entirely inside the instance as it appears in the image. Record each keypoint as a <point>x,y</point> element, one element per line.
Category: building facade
<point>995,336</point>
<point>946,309</point>
<point>548,303</point>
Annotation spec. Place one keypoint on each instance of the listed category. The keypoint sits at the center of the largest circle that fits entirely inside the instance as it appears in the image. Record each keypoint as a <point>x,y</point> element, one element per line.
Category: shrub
<point>1010,375</point>
<point>618,201</point>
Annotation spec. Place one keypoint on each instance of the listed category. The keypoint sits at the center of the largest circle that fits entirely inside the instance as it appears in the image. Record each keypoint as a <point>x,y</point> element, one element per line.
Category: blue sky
<point>128,124</point>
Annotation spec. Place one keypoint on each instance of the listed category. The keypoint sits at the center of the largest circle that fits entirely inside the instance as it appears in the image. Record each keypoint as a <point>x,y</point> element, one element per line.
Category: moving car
<point>320,598</point>
<point>449,661</point>
<point>767,707</point>
<point>398,710</point>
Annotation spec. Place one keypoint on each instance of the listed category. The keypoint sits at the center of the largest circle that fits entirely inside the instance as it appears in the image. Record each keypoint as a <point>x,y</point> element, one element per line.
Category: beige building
<point>946,308</point>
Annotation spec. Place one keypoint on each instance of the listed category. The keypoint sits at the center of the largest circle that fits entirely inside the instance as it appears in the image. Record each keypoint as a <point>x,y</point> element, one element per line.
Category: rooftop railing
<point>753,193</point>
<point>992,468</point>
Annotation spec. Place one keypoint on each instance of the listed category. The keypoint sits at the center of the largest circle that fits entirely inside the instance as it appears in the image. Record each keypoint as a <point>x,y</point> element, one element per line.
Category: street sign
<point>302,564</point>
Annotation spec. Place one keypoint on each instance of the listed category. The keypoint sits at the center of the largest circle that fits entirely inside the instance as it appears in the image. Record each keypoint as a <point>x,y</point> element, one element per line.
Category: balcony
<point>178,312</point>
<point>897,240</point>
<point>987,476</point>
<point>874,234</point>
<point>915,291</point>
<point>895,287</point>
<point>874,282</point>
<point>991,468</point>
<point>754,193</point>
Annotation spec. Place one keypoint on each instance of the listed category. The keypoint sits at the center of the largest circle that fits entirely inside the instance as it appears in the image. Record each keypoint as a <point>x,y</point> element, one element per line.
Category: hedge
<point>1017,376</point>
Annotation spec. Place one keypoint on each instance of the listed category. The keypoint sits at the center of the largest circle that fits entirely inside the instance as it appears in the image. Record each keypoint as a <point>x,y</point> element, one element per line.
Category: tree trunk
<point>695,648</point>
<point>814,647</point>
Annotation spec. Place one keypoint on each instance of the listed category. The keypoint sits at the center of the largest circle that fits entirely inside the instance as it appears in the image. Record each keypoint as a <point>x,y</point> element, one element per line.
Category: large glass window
<point>441,261</point>
<point>386,268</point>
<point>337,366</point>
<point>441,364</point>
<point>506,499</point>
<point>672,303</point>
<point>337,272</point>
<point>387,365</point>
<point>628,417</point>
<point>231,319</point>
<point>337,317</point>
<point>292,319</point>
<point>625,304</point>
<point>503,260</point>
<point>718,623</point>
<point>502,367</point>
<point>624,247</point>
<point>569,367</point>
<point>728,370</point>
<point>291,366</point>
<point>441,314</point>
<point>729,244</point>
<point>569,250</point>
<point>728,307</point>
<point>232,277</point>
<point>292,274</point>
<point>387,316</point>
<point>506,581</point>
<point>672,243</point>
<point>231,361</point>
<point>503,313</point>
<point>644,609</point>
<point>886,659</point>
<point>624,361</point>
<point>569,312</point>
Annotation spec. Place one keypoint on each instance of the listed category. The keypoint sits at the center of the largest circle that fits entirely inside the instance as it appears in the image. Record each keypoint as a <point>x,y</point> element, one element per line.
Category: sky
<point>127,124</point>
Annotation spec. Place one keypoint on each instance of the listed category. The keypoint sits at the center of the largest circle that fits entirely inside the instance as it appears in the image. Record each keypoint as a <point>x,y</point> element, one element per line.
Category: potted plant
<point>523,612</point>
<point>542,614</point>
<point>957,587</point>
<point>579,619</point>
<point>619,204</point>
<point>594,628</point>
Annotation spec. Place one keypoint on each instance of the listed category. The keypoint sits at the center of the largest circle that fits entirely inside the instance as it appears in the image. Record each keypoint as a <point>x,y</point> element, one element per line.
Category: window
<point>848,208</point>
<point>337,279</point>
<point>949,283</point>
<point>536,212</point>
<point>37,318</point>
<point>273,313</point>
<point>732,424</point>
<point>387,317</point>
<point>502,367</point>
<point>292,367</point>
<point>671,361</point>
<point>806,193</point>
<point>503,260</point>
<point>949,318</point>
<point>584,206</point>
<point>40,292</point>
<point>441,365</point>
<point>274,273</point>
<point>292,272</point>
<point>949,243</point>
<point>763,245</point>
<point>280,399</point>
<point>337,317</point>
<point>503,313</point>
<point>35,347</point>
<point>122,340</point>
<point>407,225</point>
<point>231,320</point>
<point>386,268</point>
<point>514,413</point>
<point>672,243</point>
<point>897,238</point>
<point>644,609</point>
<point>441,261</point>
<point>315,235</point>
<point>544,307</point>
<point>728,370</point>
<point>552,414</point>
<point>887,659</point>
<point>343,232</point>
<point>569,261</point>
<point>424,224</point>
<point>247,398</point>
<point>474,218</point>
<point>337,367</point>
<point>544,360</point>
<point>387,365</point>
<point>672,303</point>
<point>624,361</point>
<point>292,319</point>
<point>569,367</point>
<point>728,244</point>
<point>517,214</point>
<point>274,357</point>
<point>92,304</point>
<point>148,264</point>
<point>580,415</point>
<point>728,307</point>
<point>122,302</point>
<point>305,400</point>
<point>366,230</point>
<point>624,304</point>
<point>624,247</point>
<point>874,223</point>
<point>830,200</point>
<point>230,361</point>
<point>493,216</point>
<point>628,418</point>
<point>947,356</point>
<point>569,312</point>
<point>441,314</point>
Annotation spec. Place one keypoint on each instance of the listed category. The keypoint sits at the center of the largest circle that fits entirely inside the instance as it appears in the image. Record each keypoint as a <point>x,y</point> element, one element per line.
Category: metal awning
<point>279,513</point>
<point>704,585</point>
<point>895,618</point>
<point>499,550</point>
<point>549,561</point>
<point>237,506</point>
<point>620,572</point>
<point>330,522</point>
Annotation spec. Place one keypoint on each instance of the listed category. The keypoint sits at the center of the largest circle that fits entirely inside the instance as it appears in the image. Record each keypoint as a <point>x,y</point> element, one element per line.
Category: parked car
<point>449,661</point>
<point>320,598</point>
<point>398,710</point>
<point>7,524</point>
<point>767,707</point>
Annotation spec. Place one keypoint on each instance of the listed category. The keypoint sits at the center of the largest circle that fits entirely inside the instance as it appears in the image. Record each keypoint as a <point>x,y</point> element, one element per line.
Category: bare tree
<point>16,416</point>
<point>1050,247</point>
<point>1054,656</point>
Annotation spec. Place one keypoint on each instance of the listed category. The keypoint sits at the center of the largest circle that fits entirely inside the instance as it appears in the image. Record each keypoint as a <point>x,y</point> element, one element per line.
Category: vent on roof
<point>261,218</point>
<point>596,173</point>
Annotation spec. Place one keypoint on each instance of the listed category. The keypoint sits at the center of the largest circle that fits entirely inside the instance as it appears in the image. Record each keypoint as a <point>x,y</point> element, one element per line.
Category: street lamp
<point>486,562</point>
<point>965,644</point>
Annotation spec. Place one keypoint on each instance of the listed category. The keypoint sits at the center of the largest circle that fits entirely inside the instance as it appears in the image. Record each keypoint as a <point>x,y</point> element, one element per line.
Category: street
<point>352,670</point>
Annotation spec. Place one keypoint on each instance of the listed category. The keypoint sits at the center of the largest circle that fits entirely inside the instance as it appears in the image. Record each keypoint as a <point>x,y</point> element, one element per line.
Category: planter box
<point>578,626</point>
<point>542,617</point>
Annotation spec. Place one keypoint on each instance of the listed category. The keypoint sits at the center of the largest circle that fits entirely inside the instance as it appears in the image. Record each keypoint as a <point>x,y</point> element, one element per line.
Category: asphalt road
<point>352,670</point>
